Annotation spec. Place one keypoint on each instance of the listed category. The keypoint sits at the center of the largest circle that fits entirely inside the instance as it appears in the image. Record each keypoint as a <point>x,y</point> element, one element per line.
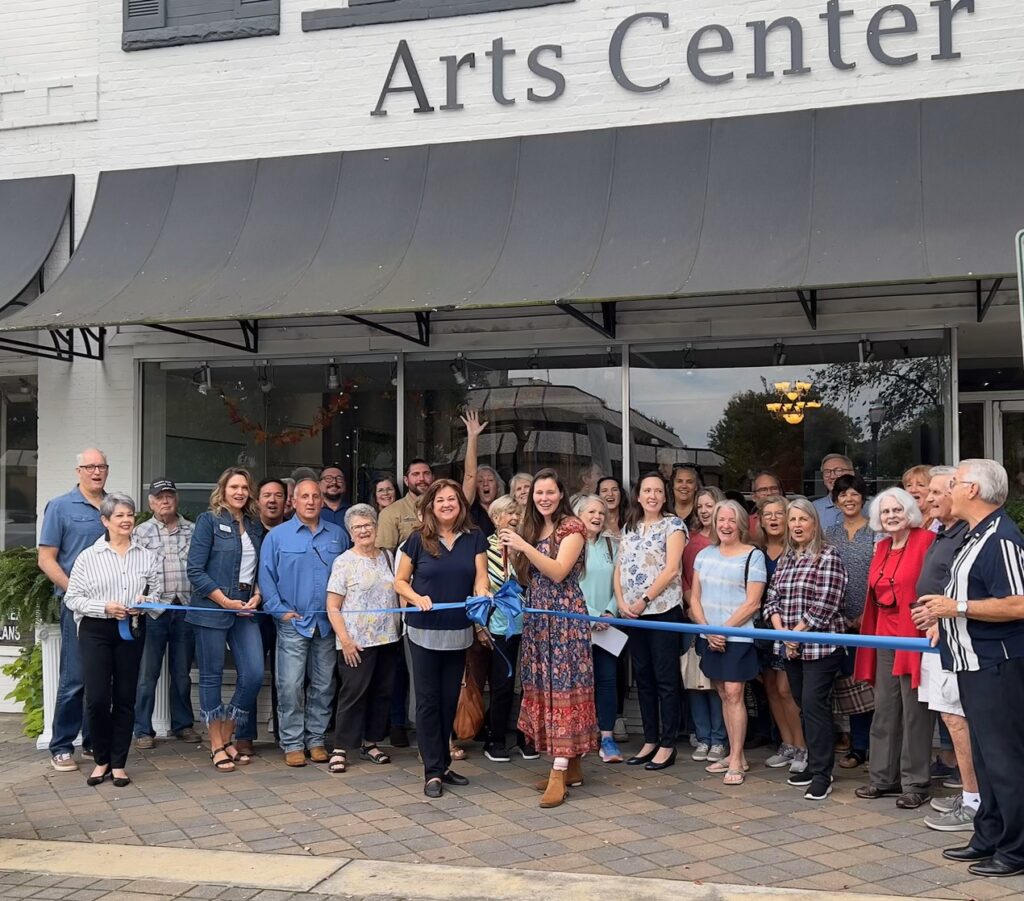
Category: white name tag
<point>224,528</point>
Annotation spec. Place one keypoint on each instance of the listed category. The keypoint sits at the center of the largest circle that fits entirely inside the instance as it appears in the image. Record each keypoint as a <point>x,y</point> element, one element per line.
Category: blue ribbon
<point>509,600</point>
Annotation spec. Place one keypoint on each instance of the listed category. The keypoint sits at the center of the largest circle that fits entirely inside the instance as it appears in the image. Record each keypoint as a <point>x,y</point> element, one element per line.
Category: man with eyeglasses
<point>979,629</point>
<point>71,523</point>
<point>295,565</point>
<point>334,489</point>
<point>832,467</point>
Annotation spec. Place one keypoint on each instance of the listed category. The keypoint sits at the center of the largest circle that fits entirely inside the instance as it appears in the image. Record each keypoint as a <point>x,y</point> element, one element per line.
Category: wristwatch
<point>646,600</point>
<point>961,608</point>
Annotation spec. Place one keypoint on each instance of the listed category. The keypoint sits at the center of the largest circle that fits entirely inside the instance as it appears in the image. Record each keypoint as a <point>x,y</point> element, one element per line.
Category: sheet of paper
<point>611,640</point>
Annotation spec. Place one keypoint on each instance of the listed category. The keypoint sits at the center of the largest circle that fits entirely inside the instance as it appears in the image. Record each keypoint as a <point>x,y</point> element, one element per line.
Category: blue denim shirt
<point>295,564</point>
<point>214,561</point>
<point>70,524</point>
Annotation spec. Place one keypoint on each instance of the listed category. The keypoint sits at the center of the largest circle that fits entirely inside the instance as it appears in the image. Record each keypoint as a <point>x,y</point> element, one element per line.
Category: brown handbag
<point>469,715</point>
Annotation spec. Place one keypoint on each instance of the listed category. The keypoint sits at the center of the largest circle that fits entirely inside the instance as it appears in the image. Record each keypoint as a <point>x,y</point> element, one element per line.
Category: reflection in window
<point>269,417</point>
<point>555,408</point>
<point>19,409</point>
<point>738,410</point>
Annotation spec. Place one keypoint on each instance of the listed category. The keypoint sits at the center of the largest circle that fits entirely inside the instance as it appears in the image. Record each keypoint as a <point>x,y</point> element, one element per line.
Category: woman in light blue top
<point>596,583</point>
<point>728,580</point>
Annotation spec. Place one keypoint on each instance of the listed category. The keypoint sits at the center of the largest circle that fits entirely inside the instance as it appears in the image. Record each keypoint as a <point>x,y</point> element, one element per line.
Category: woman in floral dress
<point>556,664</point>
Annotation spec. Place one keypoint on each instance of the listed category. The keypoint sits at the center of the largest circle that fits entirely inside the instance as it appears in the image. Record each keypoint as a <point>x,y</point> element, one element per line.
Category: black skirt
<point>737,663</point>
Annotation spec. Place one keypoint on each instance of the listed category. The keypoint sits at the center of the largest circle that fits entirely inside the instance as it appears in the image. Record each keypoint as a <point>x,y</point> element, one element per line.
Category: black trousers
<point>110,667</point>
<point>659,685</point>
<point>364,696</point>
<point>437,676</point>
<point>811,682</point>
<point>993,700</point>
<point>502,685</point>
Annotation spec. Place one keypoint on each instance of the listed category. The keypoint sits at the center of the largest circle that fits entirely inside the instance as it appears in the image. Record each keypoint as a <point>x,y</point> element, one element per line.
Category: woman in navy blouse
<point>444,561</point>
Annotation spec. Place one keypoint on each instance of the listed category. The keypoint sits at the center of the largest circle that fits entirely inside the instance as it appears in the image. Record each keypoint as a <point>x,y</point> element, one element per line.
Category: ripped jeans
<point>243,638</point>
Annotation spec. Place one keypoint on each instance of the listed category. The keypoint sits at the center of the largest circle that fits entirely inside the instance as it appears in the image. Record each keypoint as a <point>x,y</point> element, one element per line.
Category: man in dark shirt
<point>981,637</point>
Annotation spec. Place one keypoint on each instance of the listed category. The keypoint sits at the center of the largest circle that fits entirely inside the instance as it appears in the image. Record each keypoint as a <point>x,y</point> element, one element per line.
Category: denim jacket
<point>214,561</point>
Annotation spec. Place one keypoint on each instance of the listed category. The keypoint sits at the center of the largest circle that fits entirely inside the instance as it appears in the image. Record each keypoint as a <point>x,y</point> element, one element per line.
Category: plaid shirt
<point>808,590</point>
<point>171,546</point>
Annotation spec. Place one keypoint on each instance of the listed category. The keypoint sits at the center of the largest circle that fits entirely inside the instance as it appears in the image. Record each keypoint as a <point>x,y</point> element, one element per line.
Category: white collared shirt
<point>101,575</point>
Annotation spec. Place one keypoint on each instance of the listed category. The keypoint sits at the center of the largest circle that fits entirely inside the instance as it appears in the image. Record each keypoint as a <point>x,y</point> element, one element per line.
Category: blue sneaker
<point>610,752</point>
<point>940,770</point>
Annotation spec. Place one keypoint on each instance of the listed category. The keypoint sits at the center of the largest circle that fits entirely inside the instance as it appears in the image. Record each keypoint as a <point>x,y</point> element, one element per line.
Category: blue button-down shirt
<point>828,513</point>
<point>295,564</point>
<point>70,524</point>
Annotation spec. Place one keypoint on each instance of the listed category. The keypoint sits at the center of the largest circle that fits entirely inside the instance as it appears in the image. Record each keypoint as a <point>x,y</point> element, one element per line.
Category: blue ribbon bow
<point>509,600</point>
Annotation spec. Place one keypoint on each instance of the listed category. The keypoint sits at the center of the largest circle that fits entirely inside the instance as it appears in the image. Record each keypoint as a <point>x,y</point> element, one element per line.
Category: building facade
<point>302,234</point>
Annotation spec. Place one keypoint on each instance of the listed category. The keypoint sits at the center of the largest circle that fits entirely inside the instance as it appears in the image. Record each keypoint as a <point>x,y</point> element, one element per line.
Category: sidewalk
<point>678,824</point>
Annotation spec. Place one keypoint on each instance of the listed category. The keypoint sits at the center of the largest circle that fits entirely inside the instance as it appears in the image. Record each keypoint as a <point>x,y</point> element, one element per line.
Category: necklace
<point>892,576</point>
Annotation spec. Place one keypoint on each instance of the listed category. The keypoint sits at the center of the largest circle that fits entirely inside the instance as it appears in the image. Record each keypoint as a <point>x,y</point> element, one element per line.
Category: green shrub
<point>27,673</point>
<point>26,595</point>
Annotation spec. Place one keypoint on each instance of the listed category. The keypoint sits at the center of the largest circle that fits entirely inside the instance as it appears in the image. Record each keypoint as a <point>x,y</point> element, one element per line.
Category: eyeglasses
<point>365,527</point>
<point>845,470</point>
<point>95,467</point>
<point>766,492</point>
<point>776,515</point>
<point>954,482</point>
<point>340,480</point>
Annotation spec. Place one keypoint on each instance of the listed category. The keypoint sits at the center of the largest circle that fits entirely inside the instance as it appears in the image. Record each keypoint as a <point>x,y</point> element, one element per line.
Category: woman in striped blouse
<point>107,580</point>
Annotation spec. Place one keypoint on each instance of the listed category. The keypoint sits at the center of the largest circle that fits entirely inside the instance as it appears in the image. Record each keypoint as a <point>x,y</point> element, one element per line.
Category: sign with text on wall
<point>706,52</point>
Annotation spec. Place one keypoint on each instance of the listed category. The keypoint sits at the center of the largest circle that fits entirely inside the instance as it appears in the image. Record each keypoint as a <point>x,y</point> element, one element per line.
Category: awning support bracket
<point>983,305</point>
<point>422,328</point>
<point>250,343</point>
<point>809,302</point>
<point>63,344</point>
<point>608,321</point>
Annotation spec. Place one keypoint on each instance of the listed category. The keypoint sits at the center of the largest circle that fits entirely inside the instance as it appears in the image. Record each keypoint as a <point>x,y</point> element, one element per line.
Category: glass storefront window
<point>558,408</point>
<point>269,417</point>
<point>715,402</point>
<point>19,409</point>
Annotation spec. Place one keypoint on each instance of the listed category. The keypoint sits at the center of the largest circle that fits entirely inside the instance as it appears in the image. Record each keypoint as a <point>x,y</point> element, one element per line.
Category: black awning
<point>900,192</point>
<point>32,211</point>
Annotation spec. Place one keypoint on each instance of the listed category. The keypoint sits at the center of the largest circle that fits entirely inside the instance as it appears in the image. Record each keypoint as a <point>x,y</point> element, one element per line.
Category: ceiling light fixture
<point>333,376</point>
<point>202,378</point>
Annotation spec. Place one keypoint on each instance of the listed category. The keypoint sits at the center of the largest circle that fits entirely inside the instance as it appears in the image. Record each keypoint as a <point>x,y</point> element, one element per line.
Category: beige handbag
<point>693,676</point>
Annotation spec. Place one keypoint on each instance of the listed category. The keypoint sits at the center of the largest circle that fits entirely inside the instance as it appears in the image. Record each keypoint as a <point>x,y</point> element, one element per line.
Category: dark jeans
<point>606,668</point>
<point>400,689</point>
<point>502,686</point>
<point>993,699</point>
<point>168,632</point>
<point>438,677</point>
<point>811,682</point>
<point>860,731</point>
<point>268,633</point>
<point>659,684</point>
<point>69,712</point>
<point>364,696</point>
<point>110,666</point>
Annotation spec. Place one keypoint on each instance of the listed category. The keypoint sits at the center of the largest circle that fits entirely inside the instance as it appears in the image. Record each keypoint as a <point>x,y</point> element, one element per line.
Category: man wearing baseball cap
<point>168,534</point>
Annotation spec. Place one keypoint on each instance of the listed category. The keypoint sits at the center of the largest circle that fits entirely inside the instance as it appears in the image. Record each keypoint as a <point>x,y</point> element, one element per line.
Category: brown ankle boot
<point>574,775</point>
<point>555,793</point>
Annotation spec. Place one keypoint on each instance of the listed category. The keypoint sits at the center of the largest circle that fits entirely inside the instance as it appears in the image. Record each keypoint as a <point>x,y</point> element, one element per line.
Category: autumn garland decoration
<point>321,420</point>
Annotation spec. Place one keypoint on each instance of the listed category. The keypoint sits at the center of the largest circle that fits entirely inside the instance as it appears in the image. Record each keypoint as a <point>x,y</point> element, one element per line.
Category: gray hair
<point>909,505</point>
<point>742,521</point>
<point>494,472</point>
<point>816,544</point>
<point>991,479</point>
<point>519,477</point>
<point>113,500</point>
<point>362,511</point>
<point>842,457</point>
<point>941,471</point>
<point>80,458</point>
<point>585,500</point>
<point>500,506</point>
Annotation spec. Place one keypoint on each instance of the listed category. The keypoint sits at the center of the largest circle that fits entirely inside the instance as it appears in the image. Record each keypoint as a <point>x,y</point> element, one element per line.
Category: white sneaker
<point>64,763</point>
<point>782,757</point>
<point>701,751</point>
<point>945,805</point>
<point>959,819</point>
<point>799,763</point>
<point>716,753</point>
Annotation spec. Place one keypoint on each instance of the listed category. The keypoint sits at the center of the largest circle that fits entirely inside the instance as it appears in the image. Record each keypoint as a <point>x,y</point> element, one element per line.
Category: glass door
<point>1009,442</point>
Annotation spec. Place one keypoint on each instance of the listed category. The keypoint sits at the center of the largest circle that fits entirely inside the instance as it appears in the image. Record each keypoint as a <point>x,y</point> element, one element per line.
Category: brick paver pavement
<point>679,823</point>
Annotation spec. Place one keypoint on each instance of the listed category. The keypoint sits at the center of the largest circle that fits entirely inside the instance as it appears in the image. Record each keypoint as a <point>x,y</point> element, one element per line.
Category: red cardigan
<point>906,663</point>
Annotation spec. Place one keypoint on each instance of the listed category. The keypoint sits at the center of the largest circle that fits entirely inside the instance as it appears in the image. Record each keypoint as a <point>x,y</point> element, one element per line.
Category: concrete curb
<point>338,876</point>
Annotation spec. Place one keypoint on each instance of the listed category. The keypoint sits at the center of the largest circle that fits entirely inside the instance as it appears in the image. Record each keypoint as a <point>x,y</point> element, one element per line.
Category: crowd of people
<point>293,573</point>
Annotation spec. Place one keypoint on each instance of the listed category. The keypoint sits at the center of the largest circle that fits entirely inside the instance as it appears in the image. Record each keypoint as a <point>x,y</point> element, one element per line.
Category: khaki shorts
<point>939,688</point>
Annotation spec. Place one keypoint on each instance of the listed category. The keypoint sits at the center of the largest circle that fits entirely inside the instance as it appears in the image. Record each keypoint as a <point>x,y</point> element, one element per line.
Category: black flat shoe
<point>98,780</point>
<point>966,854</point>
<point>453,778</point>
<point>433,788</point>
<point>995,868</point>
<point>639,759</point>
<point>664,765</point>
<point>122,782</point>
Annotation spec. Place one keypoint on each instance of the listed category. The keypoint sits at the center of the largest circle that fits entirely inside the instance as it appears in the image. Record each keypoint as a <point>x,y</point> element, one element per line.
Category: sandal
<point>734,777</point>
<point>456,752</point>
<point>852,760</point>
<point>720,766</point>
<point>226,765</point>
<point>338,762</point>
<point>374,754</point>
<point>239,757</point>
